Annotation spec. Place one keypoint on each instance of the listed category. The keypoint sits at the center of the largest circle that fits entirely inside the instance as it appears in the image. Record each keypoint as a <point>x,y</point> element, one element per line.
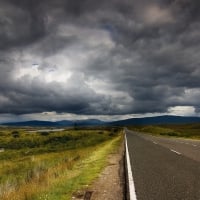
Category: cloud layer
<point>93,57</point>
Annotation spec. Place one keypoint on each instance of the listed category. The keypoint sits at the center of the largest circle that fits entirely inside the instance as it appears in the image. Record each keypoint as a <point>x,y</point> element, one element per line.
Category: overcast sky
<point>108,59</point>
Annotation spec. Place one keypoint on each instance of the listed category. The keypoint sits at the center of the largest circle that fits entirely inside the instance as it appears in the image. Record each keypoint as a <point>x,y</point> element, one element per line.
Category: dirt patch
<point>110,184</point>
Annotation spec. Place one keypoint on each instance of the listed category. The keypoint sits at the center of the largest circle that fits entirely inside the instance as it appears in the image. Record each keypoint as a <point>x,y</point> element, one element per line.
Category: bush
<point>172,134</point>
<point>114,130</point>
<point>162,133</point>
<point>111,134</point>
<point>15,134</point>
<point>45,133</point>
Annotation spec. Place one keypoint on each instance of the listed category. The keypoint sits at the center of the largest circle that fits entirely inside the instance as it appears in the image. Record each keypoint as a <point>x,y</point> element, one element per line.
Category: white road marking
<point>155,142</point>
<point>194,145</point>
<point>175,151</point>
<point>130,175</point>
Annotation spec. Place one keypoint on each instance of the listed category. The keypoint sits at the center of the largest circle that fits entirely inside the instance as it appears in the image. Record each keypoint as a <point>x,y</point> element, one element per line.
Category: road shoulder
<point>110,183</point>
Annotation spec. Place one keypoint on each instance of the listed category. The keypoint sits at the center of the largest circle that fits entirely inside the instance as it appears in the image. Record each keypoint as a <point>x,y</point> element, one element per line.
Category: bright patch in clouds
<point>47,75</point>
<point>182,110</point>
<point>57,76</point>
<point>155,15</point>
<point>31,72</point>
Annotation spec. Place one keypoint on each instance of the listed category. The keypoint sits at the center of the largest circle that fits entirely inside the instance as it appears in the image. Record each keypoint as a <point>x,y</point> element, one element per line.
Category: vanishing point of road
<point>164,168</point>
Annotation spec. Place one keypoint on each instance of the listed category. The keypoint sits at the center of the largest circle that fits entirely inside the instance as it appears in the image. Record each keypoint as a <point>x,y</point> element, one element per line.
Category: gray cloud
<point>99,57</point>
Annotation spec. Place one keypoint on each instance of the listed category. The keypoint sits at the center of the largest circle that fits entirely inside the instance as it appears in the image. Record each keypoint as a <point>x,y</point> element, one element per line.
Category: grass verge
<point>191,131</point>
<point>66,162</point>
<point>82,174</point>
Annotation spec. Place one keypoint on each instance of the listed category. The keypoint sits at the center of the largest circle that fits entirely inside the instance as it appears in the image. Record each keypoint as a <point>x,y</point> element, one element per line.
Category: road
<point>164,168</point>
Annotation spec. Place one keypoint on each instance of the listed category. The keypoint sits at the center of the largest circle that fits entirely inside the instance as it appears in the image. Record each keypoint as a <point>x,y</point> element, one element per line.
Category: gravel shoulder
<point>110,185</point>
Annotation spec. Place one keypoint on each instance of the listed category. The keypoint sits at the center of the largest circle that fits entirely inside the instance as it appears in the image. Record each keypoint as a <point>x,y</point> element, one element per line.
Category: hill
<point>31,123</point>
<point>88,122</point>
<point>166,119</point>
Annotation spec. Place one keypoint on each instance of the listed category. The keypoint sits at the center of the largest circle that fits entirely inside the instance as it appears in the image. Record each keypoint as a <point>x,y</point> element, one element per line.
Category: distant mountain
<point>95,122</point>
<point>88,122</point>
<point>65,123</point>
<point>32,123</point>
<point>166,119</point>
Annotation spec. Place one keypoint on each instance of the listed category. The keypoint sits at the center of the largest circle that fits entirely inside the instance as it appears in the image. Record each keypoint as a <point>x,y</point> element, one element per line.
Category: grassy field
<point>173,130</point>
<point>52,165</point>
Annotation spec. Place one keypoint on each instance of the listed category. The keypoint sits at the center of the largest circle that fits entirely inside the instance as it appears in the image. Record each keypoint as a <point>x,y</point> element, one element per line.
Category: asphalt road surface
<point>164,169</point>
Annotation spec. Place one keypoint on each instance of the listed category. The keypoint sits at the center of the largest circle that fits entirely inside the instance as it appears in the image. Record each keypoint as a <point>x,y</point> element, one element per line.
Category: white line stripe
<point>194,145</point>
<point>175,152</point>
<point>130,175</point>
<point>155,142</point>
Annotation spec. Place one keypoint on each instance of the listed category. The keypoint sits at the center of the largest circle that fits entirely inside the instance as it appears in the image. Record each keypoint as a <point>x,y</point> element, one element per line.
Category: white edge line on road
<point>130,175</point>
<point>175,151</point>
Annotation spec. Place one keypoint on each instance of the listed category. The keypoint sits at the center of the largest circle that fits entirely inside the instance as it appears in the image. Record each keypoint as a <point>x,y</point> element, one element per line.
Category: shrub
<point>172,134</point>
<point>44,133</point>
<point>15,134</point>
<point>111,134</point>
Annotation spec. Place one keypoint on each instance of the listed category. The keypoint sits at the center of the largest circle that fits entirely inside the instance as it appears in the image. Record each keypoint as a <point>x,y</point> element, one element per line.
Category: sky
<point>110,60</point>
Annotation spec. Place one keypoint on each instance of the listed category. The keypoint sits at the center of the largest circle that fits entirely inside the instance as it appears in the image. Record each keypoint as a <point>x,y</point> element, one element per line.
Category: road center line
<point>175,151</point>
<point>155,142</point>
<point>130,175</point>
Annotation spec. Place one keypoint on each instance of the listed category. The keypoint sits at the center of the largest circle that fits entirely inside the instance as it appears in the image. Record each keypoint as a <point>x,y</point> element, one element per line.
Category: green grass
<point>85,172</point>
<point>173,130</point>
<point>34,165</point>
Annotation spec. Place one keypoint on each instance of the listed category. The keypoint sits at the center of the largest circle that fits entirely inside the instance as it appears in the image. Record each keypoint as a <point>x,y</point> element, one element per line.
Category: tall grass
<point>51,166</point>
<point>174,130</point>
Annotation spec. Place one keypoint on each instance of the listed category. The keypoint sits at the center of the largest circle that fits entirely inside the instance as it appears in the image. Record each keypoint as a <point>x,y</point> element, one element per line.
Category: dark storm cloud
<point>21,23</point>
<point>122,57</point>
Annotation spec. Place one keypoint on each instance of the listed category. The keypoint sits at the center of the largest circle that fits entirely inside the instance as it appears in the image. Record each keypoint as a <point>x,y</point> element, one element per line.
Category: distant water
<point>47,130</point>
